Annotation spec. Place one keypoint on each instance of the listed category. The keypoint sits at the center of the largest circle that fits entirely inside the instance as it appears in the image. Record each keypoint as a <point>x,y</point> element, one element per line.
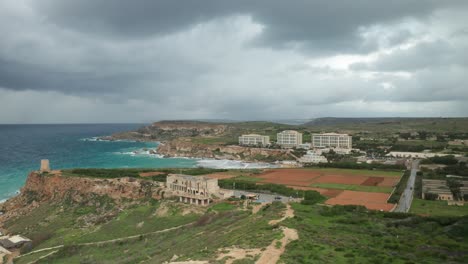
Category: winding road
<point>407,197</point>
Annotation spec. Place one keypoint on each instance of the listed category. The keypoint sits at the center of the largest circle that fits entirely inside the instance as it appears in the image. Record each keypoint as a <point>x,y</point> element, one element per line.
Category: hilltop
<point>390,124</point>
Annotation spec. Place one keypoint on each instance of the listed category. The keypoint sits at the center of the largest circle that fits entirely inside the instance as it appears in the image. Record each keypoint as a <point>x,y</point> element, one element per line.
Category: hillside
<point>172,129</point>
<point>91,225</point>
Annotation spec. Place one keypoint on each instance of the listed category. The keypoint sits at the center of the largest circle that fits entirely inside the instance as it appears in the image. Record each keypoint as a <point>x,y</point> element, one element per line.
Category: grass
<point>351,187</point>
<point>198,242</point>
<point>222,207</point>
<point>133,172</point>
<point>350,234</point>
<point>340,234</point>
<point>437,208</point>
<point>352,172</point>
<point>247,178</point>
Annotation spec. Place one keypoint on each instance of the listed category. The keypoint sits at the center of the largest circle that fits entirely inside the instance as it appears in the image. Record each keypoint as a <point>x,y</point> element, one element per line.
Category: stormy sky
<point>68,61</point>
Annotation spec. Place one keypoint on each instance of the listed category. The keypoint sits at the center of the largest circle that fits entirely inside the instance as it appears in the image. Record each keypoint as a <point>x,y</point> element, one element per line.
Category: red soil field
<point>296,177</point>
<point>374,201</point>
<point>302,179</point>
<point>151,173</point>
<point>330,193</point>
<point>389,182</point>
<point>342,179</point>
<point>373,181</point>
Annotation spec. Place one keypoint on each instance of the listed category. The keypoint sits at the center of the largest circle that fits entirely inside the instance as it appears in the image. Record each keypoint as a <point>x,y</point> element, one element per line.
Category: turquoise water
<point>71,146</point>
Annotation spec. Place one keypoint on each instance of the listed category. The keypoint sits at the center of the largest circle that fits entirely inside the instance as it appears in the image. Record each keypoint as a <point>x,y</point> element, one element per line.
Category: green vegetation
<point>357,166</point>
<point>350,187</point>
<point>437,208</point>
<point>400,188</point>
<point>221,207</point>
<point>360,172</point>
<point>200,241</point>
<point>459,169</point>
<point>135,172</point>
<point>418,145</point>
<point>446,160</point>
<point>351,234</point>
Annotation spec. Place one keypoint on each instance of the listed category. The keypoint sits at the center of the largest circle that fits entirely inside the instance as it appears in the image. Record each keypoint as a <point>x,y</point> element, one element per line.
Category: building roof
<point>289,131</point>
<point>331,134</point>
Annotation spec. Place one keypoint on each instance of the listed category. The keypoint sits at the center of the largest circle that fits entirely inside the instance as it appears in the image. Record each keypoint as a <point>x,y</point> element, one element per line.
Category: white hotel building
<point>332,140</point>
<point>254,140</point>
<point>289,138</point>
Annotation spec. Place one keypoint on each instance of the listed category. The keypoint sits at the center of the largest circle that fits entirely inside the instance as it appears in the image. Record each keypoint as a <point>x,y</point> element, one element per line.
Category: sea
<point>78,146</point>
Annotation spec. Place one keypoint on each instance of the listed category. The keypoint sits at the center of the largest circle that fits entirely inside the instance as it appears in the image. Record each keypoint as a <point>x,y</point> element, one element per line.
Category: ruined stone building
<point>197,190</point>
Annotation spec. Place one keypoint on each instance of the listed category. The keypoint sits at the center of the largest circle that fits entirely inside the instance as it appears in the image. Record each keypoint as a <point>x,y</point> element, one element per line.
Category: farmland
<point>370,188</point>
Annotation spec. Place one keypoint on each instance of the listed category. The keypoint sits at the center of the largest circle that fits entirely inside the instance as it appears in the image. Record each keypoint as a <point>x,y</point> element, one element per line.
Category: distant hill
<point>388,124</point>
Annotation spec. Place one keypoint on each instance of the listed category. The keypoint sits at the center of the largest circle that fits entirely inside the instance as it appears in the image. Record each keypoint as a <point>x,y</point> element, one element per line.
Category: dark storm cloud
<point>232,59</point>
<point>323,25</point>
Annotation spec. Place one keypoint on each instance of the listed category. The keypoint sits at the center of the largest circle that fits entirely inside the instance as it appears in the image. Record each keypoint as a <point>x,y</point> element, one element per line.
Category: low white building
<point>419,155</point>
<point>304,146</point>
<point>254,140</point>
<point>289,139</point>
<point>341,151</point>
<point>332,140</point>
<point>312,157</point>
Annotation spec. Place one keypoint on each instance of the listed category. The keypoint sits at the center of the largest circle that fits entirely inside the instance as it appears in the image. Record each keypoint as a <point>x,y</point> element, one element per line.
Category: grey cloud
<point>322,25</point>
<point>226,59</point>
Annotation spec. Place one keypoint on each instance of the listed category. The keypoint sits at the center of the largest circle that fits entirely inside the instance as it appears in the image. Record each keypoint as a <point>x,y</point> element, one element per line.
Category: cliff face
<point>56,188</point>
<point>186,148</point>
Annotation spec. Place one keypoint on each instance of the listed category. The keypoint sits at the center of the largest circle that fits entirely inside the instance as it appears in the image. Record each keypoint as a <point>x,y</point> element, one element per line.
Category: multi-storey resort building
<point>289,138</point>
<point>254,139</point>
<point>332,140</point>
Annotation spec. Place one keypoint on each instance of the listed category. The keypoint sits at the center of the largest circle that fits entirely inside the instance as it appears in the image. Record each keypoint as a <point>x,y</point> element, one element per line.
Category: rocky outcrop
<point>56,188</point>
<point>186,148</point>
<point>168,130</point>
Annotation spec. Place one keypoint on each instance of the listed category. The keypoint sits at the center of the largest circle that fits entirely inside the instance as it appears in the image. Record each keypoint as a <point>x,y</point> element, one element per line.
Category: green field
<point>351,172</point>
<point>437,208</point>
<point>351,187</point>
<point>226,227</point>
<point>349,234</point>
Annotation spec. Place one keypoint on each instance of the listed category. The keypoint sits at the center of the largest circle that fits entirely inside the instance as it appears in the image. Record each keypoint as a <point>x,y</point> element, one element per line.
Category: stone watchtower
<point>45,166</point>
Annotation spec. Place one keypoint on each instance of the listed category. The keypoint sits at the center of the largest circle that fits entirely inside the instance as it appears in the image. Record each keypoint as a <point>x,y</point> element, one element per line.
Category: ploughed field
<point>370,188</point>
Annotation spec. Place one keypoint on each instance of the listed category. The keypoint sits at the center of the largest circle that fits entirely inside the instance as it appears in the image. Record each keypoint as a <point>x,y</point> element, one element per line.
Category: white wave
<point>94,139</point>
<point>100,139</point>
<point>233,164</point>
<point>141,152</point>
